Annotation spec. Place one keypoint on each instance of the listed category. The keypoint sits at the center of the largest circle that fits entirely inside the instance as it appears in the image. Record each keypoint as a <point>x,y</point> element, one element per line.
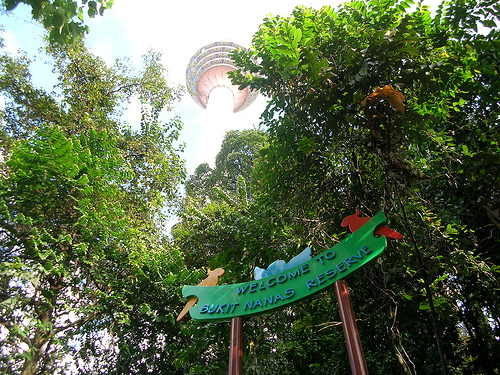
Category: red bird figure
<point>354,222</point>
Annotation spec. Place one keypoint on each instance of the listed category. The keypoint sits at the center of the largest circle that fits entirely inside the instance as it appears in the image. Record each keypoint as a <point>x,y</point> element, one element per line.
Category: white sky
<point>178,29</point>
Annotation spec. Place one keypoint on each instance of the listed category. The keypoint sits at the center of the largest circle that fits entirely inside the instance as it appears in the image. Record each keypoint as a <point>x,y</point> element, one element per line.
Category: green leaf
<point>412,51</point>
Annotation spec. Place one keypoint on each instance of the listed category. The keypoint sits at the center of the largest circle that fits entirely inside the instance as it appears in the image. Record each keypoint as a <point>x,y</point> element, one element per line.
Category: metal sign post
<point>236,348</point>
<point>354,349</point>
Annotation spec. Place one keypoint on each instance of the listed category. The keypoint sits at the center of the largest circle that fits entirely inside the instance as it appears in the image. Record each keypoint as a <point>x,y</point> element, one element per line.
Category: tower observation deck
<point>208,70</point>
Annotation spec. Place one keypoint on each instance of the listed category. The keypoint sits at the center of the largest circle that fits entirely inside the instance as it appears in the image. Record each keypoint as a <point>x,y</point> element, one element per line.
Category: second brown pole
<point>353,342</point>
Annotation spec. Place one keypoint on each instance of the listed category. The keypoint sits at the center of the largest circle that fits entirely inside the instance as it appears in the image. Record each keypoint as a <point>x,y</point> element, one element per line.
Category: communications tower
<point>208,70</point>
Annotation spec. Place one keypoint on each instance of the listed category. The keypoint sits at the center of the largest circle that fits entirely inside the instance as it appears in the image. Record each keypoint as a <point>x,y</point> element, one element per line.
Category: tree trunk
<point>391,336</point>
<point>39,341</point>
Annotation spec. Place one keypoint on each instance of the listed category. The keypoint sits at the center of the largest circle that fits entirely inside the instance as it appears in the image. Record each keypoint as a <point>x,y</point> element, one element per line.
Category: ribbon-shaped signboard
<point>297,282</point>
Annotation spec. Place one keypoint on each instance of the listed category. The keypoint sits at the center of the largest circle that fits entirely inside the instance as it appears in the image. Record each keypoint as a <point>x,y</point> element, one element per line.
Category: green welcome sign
<point>288,287</point>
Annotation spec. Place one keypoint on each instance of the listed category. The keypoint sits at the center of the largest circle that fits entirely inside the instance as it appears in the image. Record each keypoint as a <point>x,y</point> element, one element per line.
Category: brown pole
<point>236,348</point>
<point>354,349</point>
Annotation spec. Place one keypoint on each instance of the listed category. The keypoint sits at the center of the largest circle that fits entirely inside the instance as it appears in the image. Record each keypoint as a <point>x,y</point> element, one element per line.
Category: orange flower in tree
<point>393,97</point>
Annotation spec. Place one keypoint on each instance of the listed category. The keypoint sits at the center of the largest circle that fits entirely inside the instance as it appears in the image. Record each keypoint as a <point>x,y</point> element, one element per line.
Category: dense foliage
<point>374,105</point>
<point>83,196</point>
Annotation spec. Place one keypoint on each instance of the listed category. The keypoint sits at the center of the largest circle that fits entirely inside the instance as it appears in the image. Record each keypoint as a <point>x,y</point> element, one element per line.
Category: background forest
<point>376,105</point>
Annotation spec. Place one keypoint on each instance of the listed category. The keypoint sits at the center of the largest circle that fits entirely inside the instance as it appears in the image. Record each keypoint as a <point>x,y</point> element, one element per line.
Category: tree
<point>82,202</point>
<point>64,20</point>
<point>237,156</point>
<point>216,215</point>
<point>376,105</point>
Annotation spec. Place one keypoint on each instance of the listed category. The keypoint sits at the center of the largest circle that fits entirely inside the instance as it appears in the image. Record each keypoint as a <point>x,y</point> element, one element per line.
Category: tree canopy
<point>83,199</point>
<point>374,105</point>
<point>380,105</point>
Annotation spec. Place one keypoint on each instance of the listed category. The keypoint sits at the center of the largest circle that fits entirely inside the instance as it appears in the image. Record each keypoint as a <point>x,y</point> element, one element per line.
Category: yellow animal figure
<point>211,280</point>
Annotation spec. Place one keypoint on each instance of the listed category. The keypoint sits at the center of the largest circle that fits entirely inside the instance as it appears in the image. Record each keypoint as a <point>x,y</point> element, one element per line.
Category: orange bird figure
<point>211,280</point>
<point>354,222</point>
